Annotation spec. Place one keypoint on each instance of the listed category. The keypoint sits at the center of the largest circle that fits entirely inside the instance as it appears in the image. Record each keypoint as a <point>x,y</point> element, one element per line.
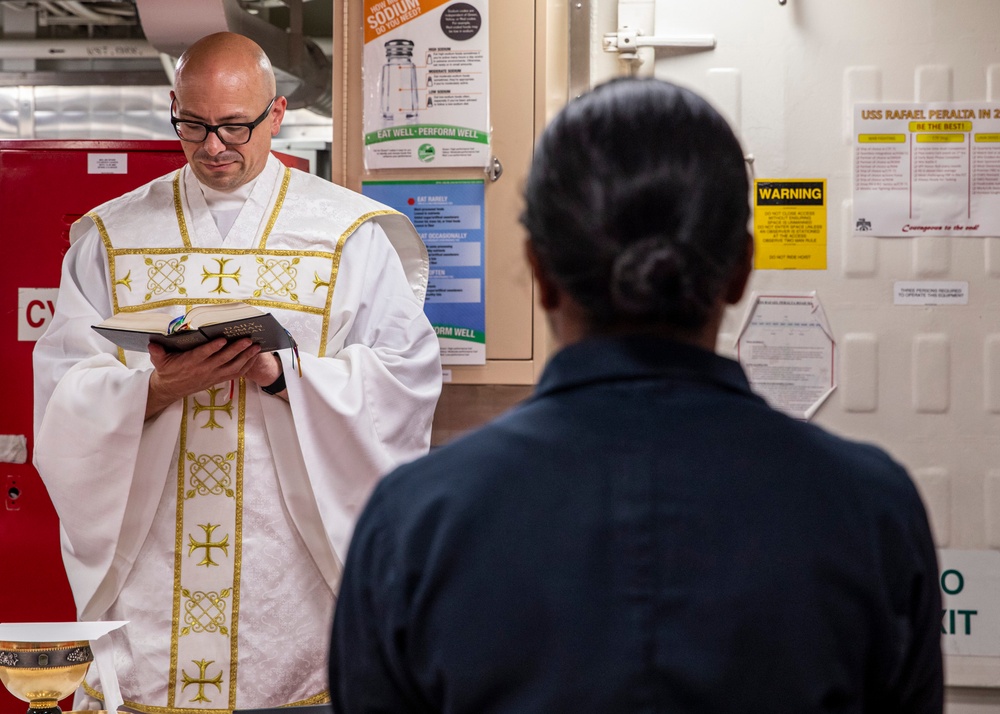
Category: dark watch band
<point>277,385</point>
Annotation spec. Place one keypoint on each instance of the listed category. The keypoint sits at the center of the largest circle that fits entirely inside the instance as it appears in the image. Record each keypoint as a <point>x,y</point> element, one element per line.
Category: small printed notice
<point>789,224</point>
<point>426,83</point>
<point>931,292</point>
<point>449,217</point>
<point>786,349</point>
<point>927,169</point>
<point>970,609</point>
<point>107,163</point>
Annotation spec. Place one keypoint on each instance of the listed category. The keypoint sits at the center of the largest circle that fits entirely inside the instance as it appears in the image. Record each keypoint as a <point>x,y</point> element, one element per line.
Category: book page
<point>143,321</point>
<point>214,314</point>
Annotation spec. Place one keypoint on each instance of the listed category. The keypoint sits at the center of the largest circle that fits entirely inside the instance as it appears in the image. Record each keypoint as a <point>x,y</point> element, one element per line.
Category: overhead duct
<point>303,72</point>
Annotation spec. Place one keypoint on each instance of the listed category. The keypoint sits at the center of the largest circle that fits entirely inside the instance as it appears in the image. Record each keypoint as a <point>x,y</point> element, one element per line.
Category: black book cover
<point>263,329</point>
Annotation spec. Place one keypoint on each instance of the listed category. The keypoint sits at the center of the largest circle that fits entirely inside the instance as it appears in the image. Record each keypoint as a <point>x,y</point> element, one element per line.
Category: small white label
<point>107,163</point>
<point>931,293</point>
<point>35,307</point>
<point>446,375</point>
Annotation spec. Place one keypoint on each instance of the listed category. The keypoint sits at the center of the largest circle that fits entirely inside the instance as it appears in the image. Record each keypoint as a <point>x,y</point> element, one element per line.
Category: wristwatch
<point>277,385</point>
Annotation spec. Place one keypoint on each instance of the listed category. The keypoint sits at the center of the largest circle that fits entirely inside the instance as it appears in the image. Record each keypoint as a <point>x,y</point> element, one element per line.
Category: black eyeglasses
<point>229,134</point>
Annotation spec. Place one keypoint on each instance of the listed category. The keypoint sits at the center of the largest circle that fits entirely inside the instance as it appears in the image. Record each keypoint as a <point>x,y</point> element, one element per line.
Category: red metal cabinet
<point>44,187</point>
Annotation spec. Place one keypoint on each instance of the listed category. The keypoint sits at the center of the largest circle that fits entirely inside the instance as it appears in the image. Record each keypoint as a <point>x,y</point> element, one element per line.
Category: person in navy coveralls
<point>645,534</point>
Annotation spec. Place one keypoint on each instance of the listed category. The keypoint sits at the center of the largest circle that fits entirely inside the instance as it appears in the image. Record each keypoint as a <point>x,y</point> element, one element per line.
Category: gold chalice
<point>42,673</point>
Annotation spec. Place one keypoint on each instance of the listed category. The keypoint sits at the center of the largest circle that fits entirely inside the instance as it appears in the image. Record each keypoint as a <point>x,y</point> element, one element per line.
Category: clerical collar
<point>227,200</point>
<point>225,206</point>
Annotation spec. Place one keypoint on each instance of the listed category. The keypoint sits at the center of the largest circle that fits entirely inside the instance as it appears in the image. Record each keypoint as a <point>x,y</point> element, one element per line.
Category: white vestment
<point>218,527</point>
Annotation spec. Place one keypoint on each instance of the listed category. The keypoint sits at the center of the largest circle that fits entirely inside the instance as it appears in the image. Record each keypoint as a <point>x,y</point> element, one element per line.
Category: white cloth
<point>370,381</point>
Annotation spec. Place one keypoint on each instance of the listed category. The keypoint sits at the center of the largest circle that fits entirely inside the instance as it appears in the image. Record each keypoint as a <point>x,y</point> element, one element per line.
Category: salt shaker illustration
<point>399,84</point>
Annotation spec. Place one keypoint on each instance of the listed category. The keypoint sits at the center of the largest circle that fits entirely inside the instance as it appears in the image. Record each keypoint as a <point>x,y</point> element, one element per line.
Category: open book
<point>232,320</point>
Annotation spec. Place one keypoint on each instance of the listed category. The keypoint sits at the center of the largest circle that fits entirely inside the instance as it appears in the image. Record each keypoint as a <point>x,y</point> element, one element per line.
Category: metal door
<point>922,381</point>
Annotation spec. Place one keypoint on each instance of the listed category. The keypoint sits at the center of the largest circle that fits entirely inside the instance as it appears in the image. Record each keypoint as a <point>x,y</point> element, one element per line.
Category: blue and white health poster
<point>425,76</point>
<point>449,217</point>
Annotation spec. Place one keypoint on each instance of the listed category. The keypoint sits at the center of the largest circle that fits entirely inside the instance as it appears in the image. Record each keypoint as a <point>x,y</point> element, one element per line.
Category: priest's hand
<point>266,370</point>
<point>179,374</point>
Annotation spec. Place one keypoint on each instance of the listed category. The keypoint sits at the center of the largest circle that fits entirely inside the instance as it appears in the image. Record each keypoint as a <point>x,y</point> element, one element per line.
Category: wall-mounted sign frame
<point>449,216</point>
<point>426,83</point>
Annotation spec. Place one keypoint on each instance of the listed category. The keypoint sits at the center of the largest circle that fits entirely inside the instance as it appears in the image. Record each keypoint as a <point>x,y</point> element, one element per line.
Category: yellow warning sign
<point>789,224</point>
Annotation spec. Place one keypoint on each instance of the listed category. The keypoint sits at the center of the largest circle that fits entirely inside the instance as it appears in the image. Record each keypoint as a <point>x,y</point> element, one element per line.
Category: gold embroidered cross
<point>212,407</point>
<point>201,681</point>
<point>319,282</point>
<point>126,281</point>
<point>208,544</point>
<point>221,275</point>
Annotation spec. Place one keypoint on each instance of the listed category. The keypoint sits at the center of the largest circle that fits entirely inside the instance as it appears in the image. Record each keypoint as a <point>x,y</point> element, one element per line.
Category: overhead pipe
<point>92,16</point>
<point>46,49</point>
<point>303,71</point>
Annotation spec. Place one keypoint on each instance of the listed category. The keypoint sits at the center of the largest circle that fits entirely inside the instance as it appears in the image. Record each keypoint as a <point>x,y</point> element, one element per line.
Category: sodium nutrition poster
<point>426,83</point>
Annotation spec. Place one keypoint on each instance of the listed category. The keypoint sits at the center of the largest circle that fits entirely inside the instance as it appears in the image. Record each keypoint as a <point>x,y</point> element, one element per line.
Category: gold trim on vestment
<point>321,698</point>
<point>109,250</point>
<point>178,551</point>
<point>335,269</point>
<point>234,617</point>
<point>193,302</point>
<point>224,251</point>
<point>102,231</point>
<point>285,180</point>
<point>179,210</point>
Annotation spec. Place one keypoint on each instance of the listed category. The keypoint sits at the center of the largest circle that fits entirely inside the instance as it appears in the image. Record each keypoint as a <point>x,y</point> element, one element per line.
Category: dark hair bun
<point>649,282</point>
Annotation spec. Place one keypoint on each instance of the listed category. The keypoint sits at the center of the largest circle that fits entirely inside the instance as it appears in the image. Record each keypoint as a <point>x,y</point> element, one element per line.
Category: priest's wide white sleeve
<point>89,434</point>
<point>367,404</point>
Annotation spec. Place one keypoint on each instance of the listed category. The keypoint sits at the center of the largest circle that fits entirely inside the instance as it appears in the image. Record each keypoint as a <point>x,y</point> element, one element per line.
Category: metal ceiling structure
<point>135,42</point>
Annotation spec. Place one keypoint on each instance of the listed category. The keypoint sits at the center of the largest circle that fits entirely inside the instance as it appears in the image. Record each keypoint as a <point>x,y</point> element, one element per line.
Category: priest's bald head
<point>225,110</point>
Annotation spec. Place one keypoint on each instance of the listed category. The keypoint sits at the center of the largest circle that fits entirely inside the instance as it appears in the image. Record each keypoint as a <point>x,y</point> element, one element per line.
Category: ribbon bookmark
<point>296,360</point>
<point>177,324</point>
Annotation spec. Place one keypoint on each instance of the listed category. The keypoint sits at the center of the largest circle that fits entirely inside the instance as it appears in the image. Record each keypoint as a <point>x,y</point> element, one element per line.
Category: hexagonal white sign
<point>786,348</point>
